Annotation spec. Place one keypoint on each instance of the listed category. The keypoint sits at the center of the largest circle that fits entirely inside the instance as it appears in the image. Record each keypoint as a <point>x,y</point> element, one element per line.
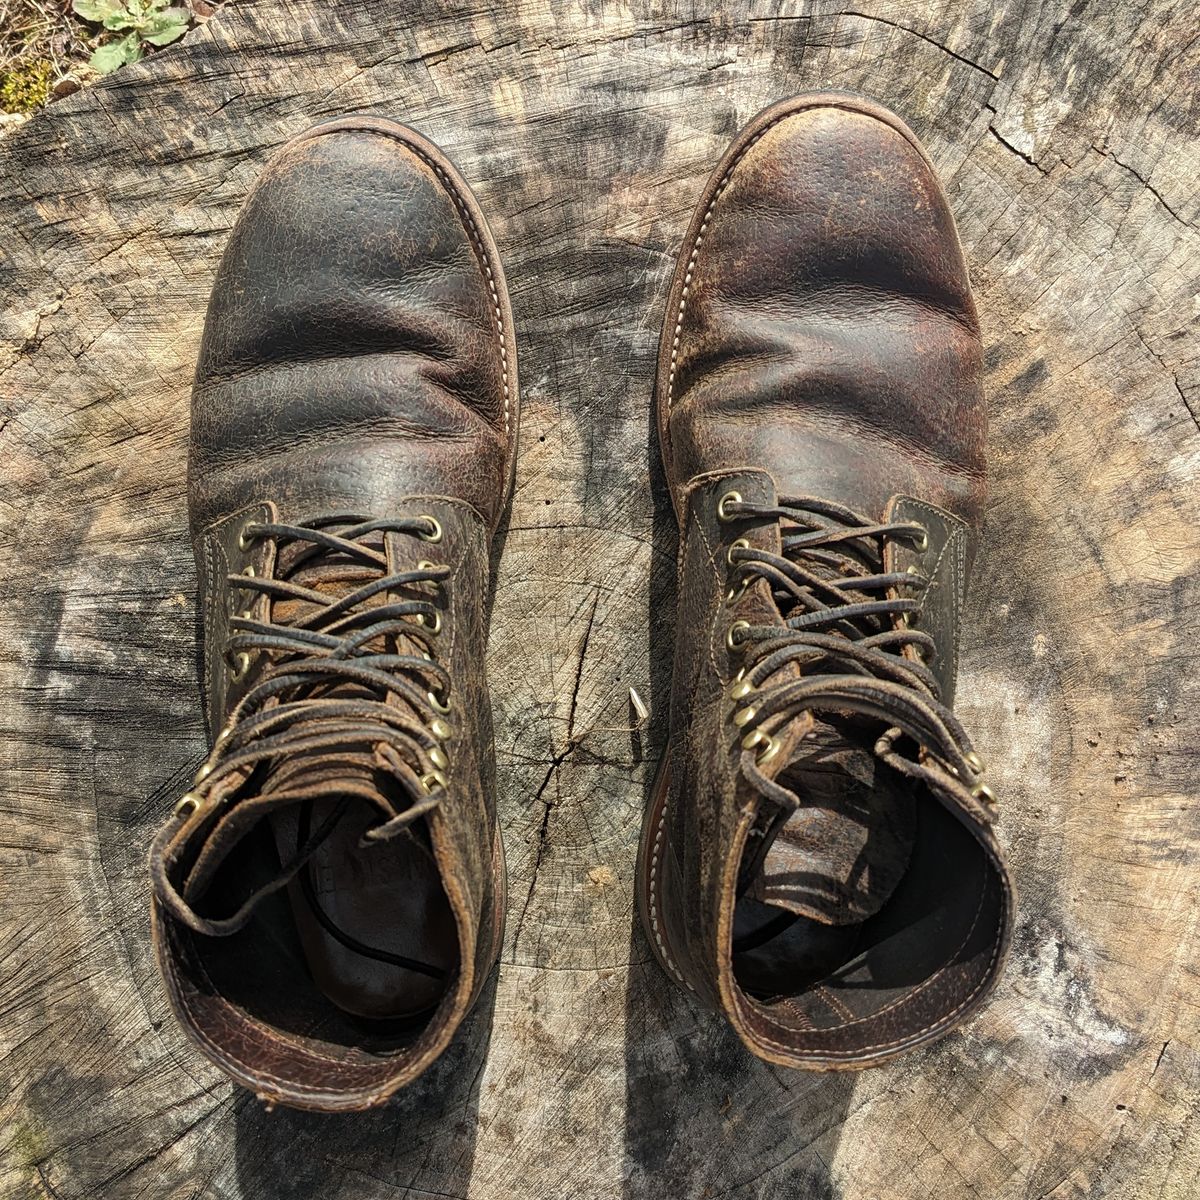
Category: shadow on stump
<point>425,1137</point>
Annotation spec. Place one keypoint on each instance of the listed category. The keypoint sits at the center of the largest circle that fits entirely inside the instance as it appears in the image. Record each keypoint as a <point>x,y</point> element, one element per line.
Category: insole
<point>385,901</point>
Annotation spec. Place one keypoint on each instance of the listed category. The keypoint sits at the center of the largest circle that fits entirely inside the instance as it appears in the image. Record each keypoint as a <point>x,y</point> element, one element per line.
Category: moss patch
<point>26,87</point>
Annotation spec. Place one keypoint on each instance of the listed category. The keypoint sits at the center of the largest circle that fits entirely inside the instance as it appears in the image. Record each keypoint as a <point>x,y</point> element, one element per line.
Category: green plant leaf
<point>121,20</point>
<point>112,55</point>
<point>97,10</point>
<point>165,27</point>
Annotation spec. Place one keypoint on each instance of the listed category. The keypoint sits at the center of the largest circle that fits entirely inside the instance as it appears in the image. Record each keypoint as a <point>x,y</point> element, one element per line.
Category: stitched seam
<point>712,625</point>
<point>656,849</point>
<point>656,845</point>
<point>960,586</point>
<point>835,1002</point>
<point>477,241</point>
<point>483,260</point>
<point>691,266</point>
<point>946,1020</point>
<point>802,1018</point>
<point>220,593</point>
<point>958,540</point>
<point>660,830</point>
<point>209,602</point>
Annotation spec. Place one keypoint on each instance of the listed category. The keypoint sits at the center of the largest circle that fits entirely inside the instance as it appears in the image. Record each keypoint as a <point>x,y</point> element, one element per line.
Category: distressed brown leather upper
<point>822,426</point>
<point>354,423</point>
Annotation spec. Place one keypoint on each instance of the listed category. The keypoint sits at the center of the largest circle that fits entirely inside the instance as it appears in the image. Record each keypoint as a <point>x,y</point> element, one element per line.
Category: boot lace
<point>846,630</point>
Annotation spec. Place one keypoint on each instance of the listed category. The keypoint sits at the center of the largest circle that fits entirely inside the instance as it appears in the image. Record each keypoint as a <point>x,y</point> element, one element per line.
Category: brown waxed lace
<point>330,683</point>
<point>846,628</point>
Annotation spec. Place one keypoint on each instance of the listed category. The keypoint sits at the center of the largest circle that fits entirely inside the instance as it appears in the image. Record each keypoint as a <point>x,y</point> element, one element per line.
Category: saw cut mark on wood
<point>1067,145</point>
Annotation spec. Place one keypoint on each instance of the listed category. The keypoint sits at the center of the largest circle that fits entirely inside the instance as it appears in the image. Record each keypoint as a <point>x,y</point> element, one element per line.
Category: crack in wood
<point>1106,153</point>
<point>962,58</point>
<point>552,770</point>
<point>1033,162</point>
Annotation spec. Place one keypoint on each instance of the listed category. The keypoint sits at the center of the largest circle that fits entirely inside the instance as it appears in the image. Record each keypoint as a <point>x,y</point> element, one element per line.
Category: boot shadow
<point>426,1133</point>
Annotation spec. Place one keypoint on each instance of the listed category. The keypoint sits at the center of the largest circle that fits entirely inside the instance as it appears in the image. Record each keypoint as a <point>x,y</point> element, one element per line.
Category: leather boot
<point>328,899</point>
<point>818,859</point>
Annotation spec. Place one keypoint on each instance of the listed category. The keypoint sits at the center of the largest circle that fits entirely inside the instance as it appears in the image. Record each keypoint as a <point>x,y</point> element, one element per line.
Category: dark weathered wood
<point>1067,142</point>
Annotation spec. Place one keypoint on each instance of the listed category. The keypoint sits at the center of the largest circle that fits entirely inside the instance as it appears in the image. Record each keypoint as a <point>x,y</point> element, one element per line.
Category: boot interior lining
<point>936,928</point>
<point>286,970</point>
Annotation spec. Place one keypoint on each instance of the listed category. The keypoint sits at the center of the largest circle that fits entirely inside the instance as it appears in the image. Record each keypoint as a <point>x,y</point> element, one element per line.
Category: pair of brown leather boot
<point>818,860</point>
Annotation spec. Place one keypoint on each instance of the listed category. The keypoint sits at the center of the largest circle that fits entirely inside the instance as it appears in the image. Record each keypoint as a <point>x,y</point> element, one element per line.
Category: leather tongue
<point>838,858</point>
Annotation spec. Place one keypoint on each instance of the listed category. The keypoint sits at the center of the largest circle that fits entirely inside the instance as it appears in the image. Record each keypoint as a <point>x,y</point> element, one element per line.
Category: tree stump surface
<point>1067,142</point>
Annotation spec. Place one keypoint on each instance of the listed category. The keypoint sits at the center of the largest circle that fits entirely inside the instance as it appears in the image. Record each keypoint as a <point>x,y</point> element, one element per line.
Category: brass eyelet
<point>439,705</point>
<point>741,688</point>
<point>437,756</point>
<point>974,762</point>
<point>738,544</point>
<point>736,592</point>
<point>435,625</point>
<point>245,540</point>
<point>436,535</point>
<point>205,770</point>
<point>426,565</point>
<point>723,513</point>
<point>731,643</point>
<point>240,668</point>
<point>433,780</point>
<point>982,792</point>
<point>913,569</point>
<point>922,545</point>
<point>249,571</point>
<point>744,716</point>
<point>188,803</point>
<point>439,729</point>
<point>756,738</point>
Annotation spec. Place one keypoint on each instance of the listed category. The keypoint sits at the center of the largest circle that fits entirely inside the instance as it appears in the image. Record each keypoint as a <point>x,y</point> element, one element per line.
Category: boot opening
<point>358,950</point>
<point>927,943</point>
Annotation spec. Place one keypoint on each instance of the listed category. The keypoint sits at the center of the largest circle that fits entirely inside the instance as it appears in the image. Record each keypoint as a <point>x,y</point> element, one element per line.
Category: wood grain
<point>1067,141</point>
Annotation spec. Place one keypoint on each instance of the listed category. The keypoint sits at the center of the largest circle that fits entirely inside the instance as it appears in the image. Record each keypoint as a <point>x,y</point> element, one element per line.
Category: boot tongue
<point>838,858</point>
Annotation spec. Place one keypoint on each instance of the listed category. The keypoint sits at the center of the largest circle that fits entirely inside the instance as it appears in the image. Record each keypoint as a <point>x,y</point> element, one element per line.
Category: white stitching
<point>480,249</point>
<point>691,266</point>
<point>958,542</point>
<point>658,839</point>
<point>487,268</point>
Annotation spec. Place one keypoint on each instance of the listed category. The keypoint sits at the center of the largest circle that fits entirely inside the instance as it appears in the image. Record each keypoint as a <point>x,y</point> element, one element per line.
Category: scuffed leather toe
<point>826,330</point>
<point>357,307</point>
